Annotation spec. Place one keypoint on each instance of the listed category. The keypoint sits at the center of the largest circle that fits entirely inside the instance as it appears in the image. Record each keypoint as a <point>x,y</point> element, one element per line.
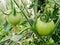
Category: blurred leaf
<point>58,31</point>
<point>57,1</point>
<point>56,8</point>
<point>55,38</point>
<point>7,26</point>
<point>32,44</point>
<point>15,38</point>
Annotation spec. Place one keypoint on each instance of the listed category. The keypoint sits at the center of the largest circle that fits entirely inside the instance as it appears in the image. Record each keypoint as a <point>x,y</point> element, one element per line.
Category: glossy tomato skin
<point>13,19</point>
<point>43,28</point>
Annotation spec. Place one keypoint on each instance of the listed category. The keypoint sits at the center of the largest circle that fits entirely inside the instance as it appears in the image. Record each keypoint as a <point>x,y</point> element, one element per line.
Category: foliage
<point>25,33</point>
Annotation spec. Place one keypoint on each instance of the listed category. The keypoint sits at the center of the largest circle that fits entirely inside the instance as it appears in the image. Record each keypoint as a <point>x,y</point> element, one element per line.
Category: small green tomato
<point>13,19</point>
<point>44,28</point>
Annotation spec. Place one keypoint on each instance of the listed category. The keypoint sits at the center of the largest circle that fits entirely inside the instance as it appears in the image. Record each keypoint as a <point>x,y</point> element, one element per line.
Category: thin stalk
<point>12,5</point>
<point>25,8</point>
<point>35,7</point>
<point>23,12</point>
<point>25,29</point>
<point>26,18</point>
<point>14,28</point>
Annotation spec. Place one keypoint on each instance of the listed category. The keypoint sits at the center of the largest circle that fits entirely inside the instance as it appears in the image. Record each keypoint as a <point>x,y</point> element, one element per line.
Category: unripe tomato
<point>13,19</point>
<point>44,28</point>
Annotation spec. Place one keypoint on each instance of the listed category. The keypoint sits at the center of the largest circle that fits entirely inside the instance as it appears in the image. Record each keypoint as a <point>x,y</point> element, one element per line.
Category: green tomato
<point>44,28</point>
<point>13,19</point>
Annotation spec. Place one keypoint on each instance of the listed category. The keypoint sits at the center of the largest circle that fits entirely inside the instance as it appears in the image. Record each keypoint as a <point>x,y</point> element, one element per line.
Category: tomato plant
<point>35,22</point>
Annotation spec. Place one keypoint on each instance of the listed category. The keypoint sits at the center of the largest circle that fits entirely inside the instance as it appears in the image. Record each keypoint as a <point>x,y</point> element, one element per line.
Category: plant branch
<point>25,29</point>
<point>35,7</point>
<point>25,8</point>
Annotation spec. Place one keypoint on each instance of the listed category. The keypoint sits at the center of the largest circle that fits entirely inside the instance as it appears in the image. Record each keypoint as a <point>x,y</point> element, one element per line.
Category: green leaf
<point>58,31</point>
<point>7,27</point>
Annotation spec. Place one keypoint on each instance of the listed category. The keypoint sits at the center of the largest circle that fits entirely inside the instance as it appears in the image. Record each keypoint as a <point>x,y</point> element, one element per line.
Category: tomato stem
<point>14,28</point>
